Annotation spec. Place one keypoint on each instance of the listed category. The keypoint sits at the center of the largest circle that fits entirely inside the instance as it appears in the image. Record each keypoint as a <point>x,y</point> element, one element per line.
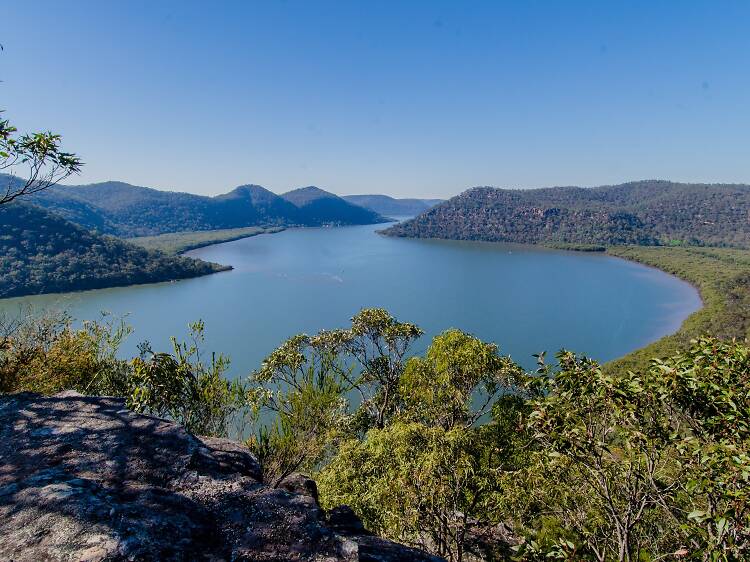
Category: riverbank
<point>722,277</point>
<point>181,242</point>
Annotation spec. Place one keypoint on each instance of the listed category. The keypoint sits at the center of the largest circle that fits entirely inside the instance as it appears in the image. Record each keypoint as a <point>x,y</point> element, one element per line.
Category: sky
<point>406,98</point>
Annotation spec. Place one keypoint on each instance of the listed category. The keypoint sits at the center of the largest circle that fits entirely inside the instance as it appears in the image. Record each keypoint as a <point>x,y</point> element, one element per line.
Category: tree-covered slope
<point>318,207</point>
<point>391,206</point>
<point>41,252</point>
<point>129,210</point>
<point>641,213</point>
<point>126,210</point>
<point>258,204</point>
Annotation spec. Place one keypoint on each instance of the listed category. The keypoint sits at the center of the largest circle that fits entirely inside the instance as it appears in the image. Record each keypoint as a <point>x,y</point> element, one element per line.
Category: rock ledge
<point>83,478</point>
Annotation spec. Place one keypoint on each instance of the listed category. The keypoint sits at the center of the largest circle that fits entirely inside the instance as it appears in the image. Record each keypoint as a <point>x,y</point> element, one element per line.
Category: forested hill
<point>127,210</point>
<point>40,252</point>
<point>318,207</point>
<point>642,213</point>
<point>390,206</point>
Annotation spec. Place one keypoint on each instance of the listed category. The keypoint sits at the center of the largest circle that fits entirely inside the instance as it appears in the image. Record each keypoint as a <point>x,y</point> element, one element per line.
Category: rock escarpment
<point>83,478</point>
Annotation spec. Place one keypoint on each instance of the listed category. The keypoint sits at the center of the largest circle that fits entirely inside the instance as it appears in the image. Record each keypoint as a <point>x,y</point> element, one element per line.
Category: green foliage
<point>181,386</point>
<point>723,277</point>
<point>582,463</point>
<point>47,355</point>
<point>456,382</point>
<point>307,383</point>
<point>608,439</point>
<point>302,384</point>
<point>641,466</point>
<point>126,210</point>
<point>418,484</point>
<point>640,213</point>
<point>576,462</point>
<point>41,253</point>
<point>707,392</point>
<point>407,455</point>
<point>576,247</point>
<point>378,344</point>
<point>40,154</point>
<point>179,242</point>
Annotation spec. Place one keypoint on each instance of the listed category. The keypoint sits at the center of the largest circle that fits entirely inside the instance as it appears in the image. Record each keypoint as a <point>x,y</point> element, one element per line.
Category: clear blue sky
<point>404,98</point>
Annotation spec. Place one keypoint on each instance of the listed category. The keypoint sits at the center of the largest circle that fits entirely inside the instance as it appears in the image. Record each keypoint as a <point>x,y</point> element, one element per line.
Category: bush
<point>47,355</point>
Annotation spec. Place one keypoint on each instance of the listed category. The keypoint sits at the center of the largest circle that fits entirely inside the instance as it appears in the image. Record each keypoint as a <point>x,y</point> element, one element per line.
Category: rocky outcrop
<point>83,478</point>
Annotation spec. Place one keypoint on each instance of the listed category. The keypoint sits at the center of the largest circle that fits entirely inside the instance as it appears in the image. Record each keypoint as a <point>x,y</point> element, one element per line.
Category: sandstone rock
<point>344,520</point>
<point>300,484</point>
<point>82,478</point>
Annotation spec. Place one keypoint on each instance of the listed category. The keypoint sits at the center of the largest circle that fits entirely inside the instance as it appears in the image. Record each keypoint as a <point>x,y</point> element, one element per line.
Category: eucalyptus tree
<point>34,162</point>
<point>320,389</point>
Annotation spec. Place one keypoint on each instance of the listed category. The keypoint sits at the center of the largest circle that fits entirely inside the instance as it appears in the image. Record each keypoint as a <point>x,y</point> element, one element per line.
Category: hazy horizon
<point>423,100</point>
<point>71,182</point>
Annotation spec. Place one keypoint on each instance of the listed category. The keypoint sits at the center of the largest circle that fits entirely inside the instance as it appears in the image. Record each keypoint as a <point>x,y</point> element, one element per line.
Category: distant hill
<point>255,205</point>
<point>319,207</point>
<point>643,213</point>
<point>390,206</point>
<point>126,210</point>
<point>41,252</point>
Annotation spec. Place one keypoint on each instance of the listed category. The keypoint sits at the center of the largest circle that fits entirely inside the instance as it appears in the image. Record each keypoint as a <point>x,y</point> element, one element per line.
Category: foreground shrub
<point>47,354</point>
<point>458,451</point>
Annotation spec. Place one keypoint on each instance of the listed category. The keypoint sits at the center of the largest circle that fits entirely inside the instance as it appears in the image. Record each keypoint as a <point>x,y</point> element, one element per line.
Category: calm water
<point>525,299</point>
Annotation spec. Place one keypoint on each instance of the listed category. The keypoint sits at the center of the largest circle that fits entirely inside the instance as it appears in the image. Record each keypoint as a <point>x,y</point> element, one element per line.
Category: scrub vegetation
<point>722,275</point>
<point>459,451</point>
<point>179,242</point>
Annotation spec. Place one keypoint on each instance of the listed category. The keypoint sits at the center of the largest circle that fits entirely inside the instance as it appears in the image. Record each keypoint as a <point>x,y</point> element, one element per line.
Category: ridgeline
<point>698,232</point>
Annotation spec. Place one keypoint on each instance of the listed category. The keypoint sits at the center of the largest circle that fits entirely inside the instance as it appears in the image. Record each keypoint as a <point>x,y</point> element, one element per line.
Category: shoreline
<point>722,279</point>
<point>710,271</point>
<point>717,274</point>
<point>178,243</point>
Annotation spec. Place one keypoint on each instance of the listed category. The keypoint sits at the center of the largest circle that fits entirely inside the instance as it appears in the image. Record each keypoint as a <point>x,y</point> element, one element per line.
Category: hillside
<point>390,206</point>
<point>641,213</point>
<point>319,207</point>
<point>126,210</point>
<point>256,203</point>
<point>40,252</point>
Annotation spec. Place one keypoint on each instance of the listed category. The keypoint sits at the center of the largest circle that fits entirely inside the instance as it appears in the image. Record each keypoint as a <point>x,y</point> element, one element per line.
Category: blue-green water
<point>523,298</point>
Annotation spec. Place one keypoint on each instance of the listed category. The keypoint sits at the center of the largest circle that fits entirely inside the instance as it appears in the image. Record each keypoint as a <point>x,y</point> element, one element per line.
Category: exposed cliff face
<point>82,478</point>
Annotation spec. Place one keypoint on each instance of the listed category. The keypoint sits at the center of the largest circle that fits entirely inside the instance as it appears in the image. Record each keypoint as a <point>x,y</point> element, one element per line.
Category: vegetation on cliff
<point>458,451</point>
<point>641,213</point>
<point>579,462</point>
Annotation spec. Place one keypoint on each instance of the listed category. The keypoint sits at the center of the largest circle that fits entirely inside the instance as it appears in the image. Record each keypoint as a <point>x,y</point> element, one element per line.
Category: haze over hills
<point>41,252</point>
<point>126,210</point>
<point>391,206</point>
<point>643,212</point>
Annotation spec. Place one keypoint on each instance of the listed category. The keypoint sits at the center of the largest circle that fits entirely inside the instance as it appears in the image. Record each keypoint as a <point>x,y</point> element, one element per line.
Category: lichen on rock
<point>83,478</point>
